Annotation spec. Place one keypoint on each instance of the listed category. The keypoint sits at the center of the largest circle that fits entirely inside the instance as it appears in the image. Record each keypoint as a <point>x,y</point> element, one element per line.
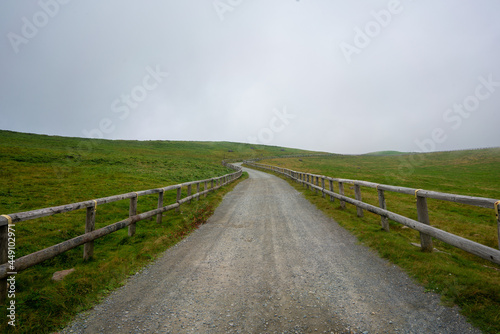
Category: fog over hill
<point>343,77</point>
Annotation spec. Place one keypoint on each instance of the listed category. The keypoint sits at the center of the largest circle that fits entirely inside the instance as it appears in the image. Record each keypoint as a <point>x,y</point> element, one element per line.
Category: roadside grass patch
<point>460,278</point>
<point>40,171</point>
<point>43,305</point>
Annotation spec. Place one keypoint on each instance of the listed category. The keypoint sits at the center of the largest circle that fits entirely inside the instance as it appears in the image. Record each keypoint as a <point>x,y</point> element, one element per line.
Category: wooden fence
<point>10,266</point>
<point>319,183</point>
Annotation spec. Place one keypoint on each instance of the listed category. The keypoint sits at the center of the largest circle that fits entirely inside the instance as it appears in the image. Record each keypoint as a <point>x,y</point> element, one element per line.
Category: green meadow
<point>461,278</point>
<point>38,171</point>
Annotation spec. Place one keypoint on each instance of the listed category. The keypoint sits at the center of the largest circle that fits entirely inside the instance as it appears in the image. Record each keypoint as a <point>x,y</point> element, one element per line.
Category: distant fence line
<point>7,222</point>
<point>317,182</point>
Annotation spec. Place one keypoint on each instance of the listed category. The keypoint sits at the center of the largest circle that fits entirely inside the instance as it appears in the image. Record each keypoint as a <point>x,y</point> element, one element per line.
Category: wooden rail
<point>9,267</point>
<point>427,232</point>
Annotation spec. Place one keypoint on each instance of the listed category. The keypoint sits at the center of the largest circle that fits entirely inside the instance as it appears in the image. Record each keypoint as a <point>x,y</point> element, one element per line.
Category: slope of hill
<point>40,171</point>
<point>386,153</point>
<point>461,278</point>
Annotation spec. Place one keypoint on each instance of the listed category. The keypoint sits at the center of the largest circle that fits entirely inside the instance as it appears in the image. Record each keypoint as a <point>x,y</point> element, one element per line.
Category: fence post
<point>212,185</point>
<point>132,212</point>
<point>179,193</point>
<point>4,241</point>
<point>357,195</point>
<point>423,217</point>
<point>382,204</point>
<point>316,183</point>
<point>88,248</point>
<point>205,187</point>
<point>497,208</point>
<point>322,187</point>
<point>341,192</point>
<point>197,190</point>
<point>189,192</point>
<point>160,205</point>
<point>307,184</point>
<point>332,199</point>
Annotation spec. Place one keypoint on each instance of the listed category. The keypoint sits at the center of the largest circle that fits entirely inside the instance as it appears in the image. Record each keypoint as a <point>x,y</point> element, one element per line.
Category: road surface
<point>268,261</point>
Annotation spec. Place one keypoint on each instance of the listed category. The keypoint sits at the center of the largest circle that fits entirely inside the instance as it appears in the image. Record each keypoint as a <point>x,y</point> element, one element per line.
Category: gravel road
<point>268,261</point>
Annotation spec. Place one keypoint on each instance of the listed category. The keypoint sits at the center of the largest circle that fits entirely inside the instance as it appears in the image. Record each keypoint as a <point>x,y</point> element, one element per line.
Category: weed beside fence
<point>12,266</point>
<point>320,182</point>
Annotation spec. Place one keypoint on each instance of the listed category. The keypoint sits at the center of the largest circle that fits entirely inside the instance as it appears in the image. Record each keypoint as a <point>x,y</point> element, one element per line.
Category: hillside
<point>386,153</point>
<point>461,278</point>
<point>40,171</point>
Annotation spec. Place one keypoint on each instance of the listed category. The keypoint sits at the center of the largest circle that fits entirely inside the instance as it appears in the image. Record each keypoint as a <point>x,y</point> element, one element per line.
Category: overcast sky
<point>337,76</point>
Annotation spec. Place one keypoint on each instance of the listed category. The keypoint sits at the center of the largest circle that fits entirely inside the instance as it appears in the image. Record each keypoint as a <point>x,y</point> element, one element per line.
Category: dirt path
<point>268,261</point>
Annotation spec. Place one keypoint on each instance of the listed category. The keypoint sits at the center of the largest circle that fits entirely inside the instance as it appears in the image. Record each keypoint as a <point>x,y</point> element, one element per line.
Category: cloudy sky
<point>337,76</point>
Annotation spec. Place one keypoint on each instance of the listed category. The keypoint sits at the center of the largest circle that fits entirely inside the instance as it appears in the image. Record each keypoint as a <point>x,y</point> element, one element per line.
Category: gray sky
<point>336,76</point>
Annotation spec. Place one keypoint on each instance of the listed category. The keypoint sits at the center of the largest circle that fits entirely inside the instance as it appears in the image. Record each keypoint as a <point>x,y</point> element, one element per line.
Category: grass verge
<point>40,171</point>
<point>460,278</point>
<point>44,305</point>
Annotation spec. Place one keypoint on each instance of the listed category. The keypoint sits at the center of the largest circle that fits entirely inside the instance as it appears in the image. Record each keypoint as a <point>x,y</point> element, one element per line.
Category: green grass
<point>461,278</point>
<point>386,153</point>
<point>40,171</point>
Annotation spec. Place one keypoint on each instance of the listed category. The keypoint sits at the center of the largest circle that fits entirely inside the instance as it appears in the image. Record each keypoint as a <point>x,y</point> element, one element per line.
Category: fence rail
<point>86,239</point>
<point>318,183</point>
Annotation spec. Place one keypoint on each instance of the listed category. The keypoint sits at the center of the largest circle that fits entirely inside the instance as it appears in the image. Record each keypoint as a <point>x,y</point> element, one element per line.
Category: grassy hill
<point>40,171</point>
<point>461,278</point>
<point>467,172</point>
<point>60,170</point>
<point>386,153</point>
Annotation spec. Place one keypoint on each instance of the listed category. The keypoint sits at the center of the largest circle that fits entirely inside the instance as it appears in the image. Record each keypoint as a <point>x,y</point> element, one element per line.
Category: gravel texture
<point>268,261</point>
